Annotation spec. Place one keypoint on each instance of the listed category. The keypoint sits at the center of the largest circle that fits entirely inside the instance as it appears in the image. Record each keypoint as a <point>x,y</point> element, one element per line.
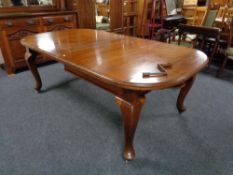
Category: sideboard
<point>14,26</point>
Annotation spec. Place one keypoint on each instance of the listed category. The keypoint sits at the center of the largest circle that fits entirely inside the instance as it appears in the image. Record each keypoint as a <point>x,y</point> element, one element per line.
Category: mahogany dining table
<point>126,66</point>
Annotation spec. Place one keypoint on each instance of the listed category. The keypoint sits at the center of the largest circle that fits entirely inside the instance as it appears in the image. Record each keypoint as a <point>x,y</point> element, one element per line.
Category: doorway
<point>102,8</point>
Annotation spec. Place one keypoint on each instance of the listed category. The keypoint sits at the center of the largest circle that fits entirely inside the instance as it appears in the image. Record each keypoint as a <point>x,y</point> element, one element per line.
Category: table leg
<point>30,57</point>
<point>183,93</point>
<point>130,109</point>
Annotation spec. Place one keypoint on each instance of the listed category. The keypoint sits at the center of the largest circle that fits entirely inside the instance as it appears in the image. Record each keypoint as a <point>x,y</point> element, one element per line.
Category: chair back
<point>190,13</point>
<point>229,25</point>
<point>221,12</point>
<point>211,14</point>
<point>203,33</point>
<point>199,16</point>
<point>200,31</point>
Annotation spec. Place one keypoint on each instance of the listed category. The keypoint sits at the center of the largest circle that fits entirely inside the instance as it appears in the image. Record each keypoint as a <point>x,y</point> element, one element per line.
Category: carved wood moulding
<point>20,34</point>
<point>59,27</point>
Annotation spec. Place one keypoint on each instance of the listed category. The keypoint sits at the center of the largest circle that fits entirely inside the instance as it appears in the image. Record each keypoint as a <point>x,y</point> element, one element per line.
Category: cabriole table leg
<point>183,93</point>
<point>130,109</point>
<point>30,58</point>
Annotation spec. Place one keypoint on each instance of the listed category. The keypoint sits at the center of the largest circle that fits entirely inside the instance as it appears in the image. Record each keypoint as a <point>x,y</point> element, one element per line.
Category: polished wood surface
<point>116,63</point>
<point>117,59</point>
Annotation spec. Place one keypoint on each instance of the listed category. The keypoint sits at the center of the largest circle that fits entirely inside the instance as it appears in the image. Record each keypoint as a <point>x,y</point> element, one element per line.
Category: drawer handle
<point>66,19</point>
<point>31,22</point>
<point>9,23</point>
<point>50,21</point>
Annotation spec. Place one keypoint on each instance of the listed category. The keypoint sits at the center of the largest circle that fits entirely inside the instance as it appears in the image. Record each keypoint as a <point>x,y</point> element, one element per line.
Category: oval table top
<point>118,59</point>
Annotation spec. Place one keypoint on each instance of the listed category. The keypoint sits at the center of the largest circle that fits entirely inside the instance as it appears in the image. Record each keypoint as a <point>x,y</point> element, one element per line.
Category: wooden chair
<point>226,18</point>
<point>211,43</point>
<point>162,35</point>
<point>224,26</point>
<point>188,9</point>
<point>211,14</point>
<point>206,16</point>
<point>201,32</point>
<point>220,19</point>
<point>199,16</point>
<point>229,34</point>
<point>190,13</point>
<point>155,21</point>
<point>222,11</point>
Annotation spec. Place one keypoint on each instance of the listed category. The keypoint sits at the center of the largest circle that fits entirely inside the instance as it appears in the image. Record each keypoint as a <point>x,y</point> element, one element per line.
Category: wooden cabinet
<point>14,27</point>
<point>12,30</point>
<point>60,22</point>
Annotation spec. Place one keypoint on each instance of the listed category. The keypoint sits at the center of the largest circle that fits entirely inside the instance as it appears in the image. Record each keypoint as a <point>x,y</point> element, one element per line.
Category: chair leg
<point>212,54</point>
<point>221,68</point>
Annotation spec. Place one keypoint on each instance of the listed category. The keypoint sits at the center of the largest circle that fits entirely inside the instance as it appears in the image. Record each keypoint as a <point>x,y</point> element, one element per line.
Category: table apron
<point>118,91</point>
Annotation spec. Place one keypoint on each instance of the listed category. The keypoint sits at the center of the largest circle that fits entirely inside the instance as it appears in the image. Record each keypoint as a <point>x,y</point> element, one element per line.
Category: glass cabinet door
<point>27,3</point>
